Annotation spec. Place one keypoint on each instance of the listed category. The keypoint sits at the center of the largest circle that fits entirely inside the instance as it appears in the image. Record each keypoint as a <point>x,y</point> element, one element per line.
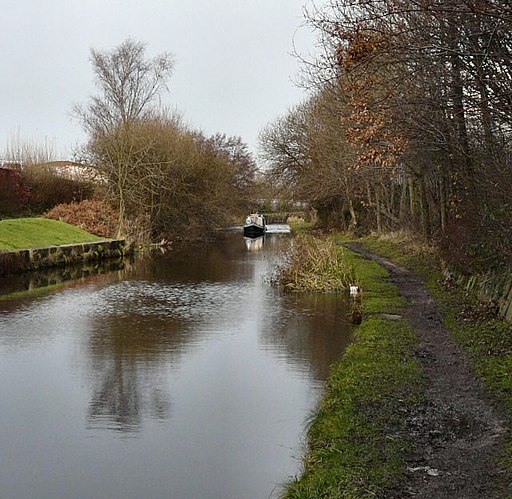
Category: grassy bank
<point>23,233</point>
<point>355,447</point>
<point>476,326</point>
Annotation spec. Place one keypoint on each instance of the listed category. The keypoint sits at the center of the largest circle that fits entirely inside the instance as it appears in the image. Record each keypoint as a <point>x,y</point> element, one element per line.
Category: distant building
<point>71,170</point>
<point>11,165</point>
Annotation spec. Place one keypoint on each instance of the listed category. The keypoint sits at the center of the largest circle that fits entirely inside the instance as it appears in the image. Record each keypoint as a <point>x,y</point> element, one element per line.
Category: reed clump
<point>315,265</point>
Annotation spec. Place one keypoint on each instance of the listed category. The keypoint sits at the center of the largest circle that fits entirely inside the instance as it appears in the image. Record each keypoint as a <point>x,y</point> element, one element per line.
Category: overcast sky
<point>233,69</point>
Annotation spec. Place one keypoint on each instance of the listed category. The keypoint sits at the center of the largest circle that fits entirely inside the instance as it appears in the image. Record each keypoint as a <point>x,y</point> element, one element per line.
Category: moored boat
<point>255,225</point>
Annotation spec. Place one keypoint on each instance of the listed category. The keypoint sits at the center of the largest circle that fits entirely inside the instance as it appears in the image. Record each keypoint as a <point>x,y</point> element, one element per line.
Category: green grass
<point>354,447</point>
<point>24,233</point>
<point>417,258</point>
<point>301,226</point>
<point>379,295</point>
<point>484,335</point>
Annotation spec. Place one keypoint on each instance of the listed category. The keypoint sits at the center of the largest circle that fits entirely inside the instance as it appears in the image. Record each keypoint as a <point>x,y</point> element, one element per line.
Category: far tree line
<point>408,124</point>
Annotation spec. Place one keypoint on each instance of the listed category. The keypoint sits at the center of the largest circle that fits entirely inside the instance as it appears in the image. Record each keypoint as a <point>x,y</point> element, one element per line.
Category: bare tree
<point>419,132</point>
<point>129,83</point>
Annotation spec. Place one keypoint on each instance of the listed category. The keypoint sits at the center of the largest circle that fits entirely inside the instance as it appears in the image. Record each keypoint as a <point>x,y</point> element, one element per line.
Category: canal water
<point>184,375</point>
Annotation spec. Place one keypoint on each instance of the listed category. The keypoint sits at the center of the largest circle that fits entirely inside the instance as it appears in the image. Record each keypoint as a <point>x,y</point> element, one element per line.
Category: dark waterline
<point>180,376</point>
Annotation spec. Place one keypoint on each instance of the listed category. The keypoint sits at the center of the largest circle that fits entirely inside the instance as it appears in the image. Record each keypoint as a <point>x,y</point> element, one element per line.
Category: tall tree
<point>129,83</point>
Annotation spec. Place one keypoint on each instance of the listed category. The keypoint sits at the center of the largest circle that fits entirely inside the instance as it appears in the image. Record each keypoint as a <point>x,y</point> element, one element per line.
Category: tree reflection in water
<point>128,349</point>
<point>126,387</point>
<point>141,328</point>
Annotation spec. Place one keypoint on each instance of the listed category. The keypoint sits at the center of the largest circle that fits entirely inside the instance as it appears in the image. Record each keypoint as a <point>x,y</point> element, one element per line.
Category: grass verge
<point>355,448</point>
<point>23,233</point>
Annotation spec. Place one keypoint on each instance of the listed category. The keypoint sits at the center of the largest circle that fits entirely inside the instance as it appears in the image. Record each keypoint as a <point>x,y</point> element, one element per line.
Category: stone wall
<point>12,262</point>
<point>488,287</point>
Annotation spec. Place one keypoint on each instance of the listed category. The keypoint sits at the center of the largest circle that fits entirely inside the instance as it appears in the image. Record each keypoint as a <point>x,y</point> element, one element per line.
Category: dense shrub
<point>178,182</point>
<point>14,193</point>
<point>48,188</point>
<point>94,216</point>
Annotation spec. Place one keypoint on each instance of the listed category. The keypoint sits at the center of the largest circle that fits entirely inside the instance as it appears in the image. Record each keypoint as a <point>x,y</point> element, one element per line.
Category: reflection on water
<point>30,281</point>
<point>126,387</point>
<point>208,370</point>
<point>254,243</point>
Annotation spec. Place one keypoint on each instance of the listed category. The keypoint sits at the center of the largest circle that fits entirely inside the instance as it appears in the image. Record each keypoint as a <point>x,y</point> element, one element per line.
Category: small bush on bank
<point>94,216</point>
<point>315,265</point>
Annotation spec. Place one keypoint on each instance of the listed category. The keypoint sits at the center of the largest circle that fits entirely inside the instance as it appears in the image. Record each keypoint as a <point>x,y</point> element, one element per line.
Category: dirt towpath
<point>457,432</point>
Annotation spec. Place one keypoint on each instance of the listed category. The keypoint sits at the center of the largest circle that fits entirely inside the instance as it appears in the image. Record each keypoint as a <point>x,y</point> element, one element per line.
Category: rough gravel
<point>458,432</point>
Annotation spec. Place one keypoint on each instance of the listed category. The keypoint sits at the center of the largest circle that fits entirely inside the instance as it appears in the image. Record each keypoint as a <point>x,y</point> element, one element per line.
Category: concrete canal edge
<point>16,261</point>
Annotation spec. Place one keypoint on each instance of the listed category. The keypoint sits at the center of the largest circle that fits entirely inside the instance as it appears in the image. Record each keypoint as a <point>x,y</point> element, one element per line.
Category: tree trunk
<point>403,202</point>
<point>378,210</point>
<point>424,210</point>
<point>353,215</point>
<point>412,199</point>
<point>352,211</point>
<point>457,94</point>
<point>442,203</point>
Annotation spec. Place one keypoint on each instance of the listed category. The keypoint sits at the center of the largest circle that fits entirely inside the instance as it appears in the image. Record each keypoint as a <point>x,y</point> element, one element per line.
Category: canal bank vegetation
<point>315,265</point>
<point>474,324</point>
<point>356,447</point>
<point>357,441</point>
<point>92,215</point>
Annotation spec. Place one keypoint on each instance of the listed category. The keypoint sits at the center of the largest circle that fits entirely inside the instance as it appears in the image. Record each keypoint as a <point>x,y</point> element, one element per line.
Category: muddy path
<point>457,432</point>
